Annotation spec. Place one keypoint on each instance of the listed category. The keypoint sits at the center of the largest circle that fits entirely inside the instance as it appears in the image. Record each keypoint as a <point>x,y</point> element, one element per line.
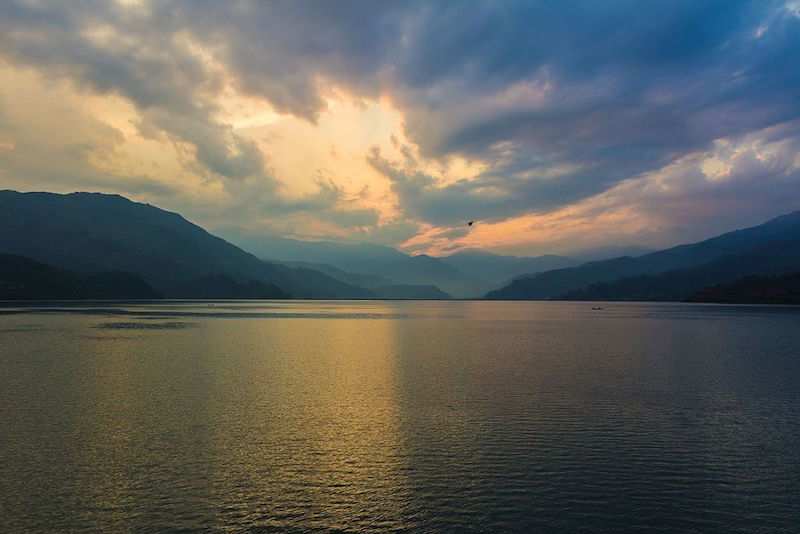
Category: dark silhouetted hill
<point>116,285</point>
<point>25,279</point>
<point>220,286</point>
<point>93,232</point>
<point>772,259</point>
<point>561,282</point>
<point>754,290</point>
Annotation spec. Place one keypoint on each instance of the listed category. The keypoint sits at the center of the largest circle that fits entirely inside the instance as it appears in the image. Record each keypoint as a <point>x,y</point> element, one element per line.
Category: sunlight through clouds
<point>388,123</point>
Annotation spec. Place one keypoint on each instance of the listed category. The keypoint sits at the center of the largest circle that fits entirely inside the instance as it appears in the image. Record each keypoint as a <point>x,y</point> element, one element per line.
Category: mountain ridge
<point>768,259</point>
<point>556,283</point>
<point>93,232</point>
<point>466,274</point>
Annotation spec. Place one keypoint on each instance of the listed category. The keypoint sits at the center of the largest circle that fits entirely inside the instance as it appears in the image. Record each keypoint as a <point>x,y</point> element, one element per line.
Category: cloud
<point>108,49</point>
<point>740,181</point>
<point>42,154</point>
<point>560,107</point>
<point>604,91</point>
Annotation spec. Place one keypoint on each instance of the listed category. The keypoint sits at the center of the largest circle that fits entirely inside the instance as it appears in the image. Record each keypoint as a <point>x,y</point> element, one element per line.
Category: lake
<point>290,416</point>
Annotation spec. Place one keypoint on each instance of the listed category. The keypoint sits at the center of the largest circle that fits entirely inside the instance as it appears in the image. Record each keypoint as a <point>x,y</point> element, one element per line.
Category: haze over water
<point>399,416</point>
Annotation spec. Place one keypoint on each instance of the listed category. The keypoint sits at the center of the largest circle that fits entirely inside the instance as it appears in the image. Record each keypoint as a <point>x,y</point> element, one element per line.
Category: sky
<point>556,126</point>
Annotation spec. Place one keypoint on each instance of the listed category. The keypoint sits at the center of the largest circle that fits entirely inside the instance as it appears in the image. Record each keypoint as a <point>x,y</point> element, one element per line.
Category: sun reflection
<point>322,397</point>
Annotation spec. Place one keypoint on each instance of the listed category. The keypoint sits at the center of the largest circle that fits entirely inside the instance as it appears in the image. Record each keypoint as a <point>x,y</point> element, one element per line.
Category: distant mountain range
<point>611,251</point>
<point>496,270</point>
<point>92,245</point>
<point>466,274</point>
<point>672,274</point>
<point>380,286</point>
<point>366,262</point>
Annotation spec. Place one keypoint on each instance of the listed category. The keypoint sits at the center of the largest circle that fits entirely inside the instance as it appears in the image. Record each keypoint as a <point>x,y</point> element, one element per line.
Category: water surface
<point>405,416</point>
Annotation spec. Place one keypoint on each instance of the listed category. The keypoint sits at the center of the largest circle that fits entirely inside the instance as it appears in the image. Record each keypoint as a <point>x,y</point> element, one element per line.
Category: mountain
<point>93,232</point>
<point>465,274</point>
<point>116,285</point>
<point>609,252</point>
<point>24,278</point>
<point>342,255</point>
<point>301,282</point>
<point>496,270</point>
<point>368,260</point>
<point>380,286</point>
<point>754,290</point>
<point>410,292</point>
<point>773,258</point>
<point>367,281</point>
<point>423,269</point>
<point>554,284</point>
<point>221,286</point>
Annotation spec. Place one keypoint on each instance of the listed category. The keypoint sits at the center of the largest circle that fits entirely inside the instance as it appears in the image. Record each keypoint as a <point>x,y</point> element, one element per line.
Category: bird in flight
<point>470,223</point>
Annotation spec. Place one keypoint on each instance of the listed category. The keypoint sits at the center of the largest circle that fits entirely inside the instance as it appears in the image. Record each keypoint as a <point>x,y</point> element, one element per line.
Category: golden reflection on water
<point>281,418</point>
<point>323,397</point>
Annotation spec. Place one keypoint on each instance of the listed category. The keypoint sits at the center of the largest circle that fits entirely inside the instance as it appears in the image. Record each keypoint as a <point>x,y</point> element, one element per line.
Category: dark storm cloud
<point>627,88</point>
<point>606,91</point>
<point>279,50</point>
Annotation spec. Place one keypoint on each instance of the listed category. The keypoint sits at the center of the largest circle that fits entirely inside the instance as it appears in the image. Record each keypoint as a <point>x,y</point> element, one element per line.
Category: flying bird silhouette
<point>470,223</point>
